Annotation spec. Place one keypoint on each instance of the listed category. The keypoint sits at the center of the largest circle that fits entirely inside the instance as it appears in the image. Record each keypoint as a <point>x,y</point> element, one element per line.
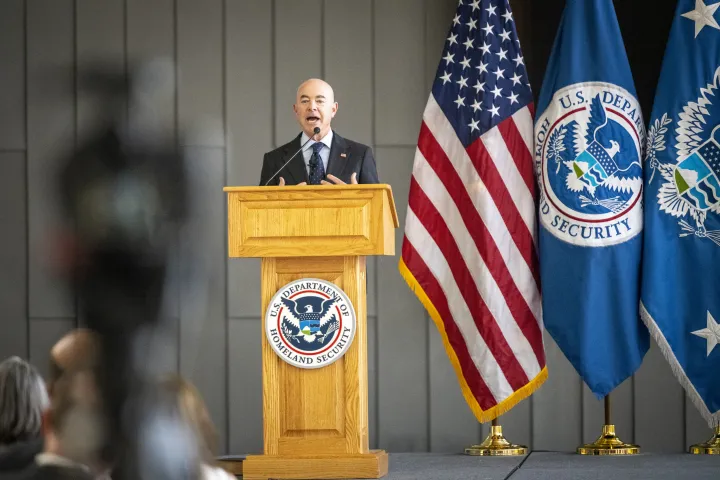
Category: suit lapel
<point>296,167</point>
<point>339,156</point>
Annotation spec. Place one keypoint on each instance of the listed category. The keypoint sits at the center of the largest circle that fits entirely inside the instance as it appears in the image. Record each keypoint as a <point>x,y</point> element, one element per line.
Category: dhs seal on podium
<point>310,323</point>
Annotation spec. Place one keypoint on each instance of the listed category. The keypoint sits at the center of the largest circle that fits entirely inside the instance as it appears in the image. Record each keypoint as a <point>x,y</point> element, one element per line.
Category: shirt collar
<point>46,458</point>
<point>327,140</point>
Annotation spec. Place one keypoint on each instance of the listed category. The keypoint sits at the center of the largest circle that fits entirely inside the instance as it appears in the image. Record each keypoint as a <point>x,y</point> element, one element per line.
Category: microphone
<point>316,130</point>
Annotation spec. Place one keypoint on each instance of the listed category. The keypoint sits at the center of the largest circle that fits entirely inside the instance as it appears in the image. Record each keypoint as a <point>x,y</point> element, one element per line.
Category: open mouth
<point>312,119</point>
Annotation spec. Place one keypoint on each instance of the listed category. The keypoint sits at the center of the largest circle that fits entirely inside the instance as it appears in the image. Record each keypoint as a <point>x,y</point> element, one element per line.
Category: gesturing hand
<point>337,181</point>
<point>281,183</point>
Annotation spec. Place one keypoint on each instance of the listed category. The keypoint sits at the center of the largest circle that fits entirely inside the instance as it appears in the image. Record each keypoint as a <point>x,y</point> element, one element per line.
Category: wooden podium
<point>315,420</point>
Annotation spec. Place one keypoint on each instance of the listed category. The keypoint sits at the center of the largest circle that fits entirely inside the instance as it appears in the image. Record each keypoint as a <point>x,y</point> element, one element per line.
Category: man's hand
<point>337,181</point>
<point>282,183</point>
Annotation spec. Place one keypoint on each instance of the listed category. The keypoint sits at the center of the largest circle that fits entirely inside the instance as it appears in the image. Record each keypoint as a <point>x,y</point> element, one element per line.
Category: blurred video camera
<point>125,192</point>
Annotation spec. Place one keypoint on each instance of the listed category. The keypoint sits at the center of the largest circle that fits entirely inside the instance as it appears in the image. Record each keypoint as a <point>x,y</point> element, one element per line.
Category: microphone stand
<point>315,132</point>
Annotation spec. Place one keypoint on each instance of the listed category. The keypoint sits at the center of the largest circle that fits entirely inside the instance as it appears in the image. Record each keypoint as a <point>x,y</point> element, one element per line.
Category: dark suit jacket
<point>19,455</point>
<point>49,472</point>
<point>346,157</point>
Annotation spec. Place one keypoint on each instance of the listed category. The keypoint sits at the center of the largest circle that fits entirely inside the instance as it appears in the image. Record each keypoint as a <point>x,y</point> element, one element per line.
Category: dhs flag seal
<point>588,144</point>
<point>310,323</point>
<point>681,245</point>
<point>589,135</point>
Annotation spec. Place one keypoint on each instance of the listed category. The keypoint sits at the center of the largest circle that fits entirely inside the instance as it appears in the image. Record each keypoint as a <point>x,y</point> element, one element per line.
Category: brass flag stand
<point>608,443</point>
<point>495,444</point>
<point>711,447</point>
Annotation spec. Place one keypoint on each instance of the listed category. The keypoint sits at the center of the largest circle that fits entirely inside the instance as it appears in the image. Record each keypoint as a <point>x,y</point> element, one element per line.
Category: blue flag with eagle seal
<point>681,265</point>
<point>589,136</point>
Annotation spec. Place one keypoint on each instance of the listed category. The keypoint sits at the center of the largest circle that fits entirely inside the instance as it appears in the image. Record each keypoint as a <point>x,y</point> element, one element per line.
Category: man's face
<point>315,107</point>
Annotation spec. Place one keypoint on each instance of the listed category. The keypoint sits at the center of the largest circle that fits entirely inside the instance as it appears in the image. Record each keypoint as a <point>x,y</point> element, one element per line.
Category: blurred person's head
<point>77,350</point>
<point>73,425</point>
<point>194,413</point>
<point>23,399</point>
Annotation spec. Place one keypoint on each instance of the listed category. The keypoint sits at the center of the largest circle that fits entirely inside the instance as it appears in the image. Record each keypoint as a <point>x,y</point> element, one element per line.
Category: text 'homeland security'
<point>308,360</point>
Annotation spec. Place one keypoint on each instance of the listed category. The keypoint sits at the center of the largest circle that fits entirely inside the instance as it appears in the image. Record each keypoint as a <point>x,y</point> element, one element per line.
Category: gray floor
<point>555,466</point>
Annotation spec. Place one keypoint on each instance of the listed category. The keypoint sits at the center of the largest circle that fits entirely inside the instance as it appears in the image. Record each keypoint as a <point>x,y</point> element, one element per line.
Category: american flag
<point>469,250</point>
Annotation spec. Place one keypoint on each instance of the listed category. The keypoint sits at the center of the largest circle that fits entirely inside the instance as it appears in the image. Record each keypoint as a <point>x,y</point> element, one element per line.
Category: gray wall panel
<point>99,37</point>
<point>248,71</point>
<point>557,402</point>
<point>659,405</point>
<point>50,120</point>
<point>12,75</point>
<point>452,424</point>
<point>203,315</point>
<point>350,74</point>
<point>402,333</point>
<point>250,117</point>
<point>245,415</point>
<point>372,352</point>
<point>438,19</point>
<point>13,255</point>
<point>200,46</point>
<point>371,286</point>
<point>150,34</point>
<point>696,428</point>
<point>150,30</point>
<point>517,423</point>
<point>298,56</point>
<point>399,58</point>
<point>621,413</point>
<point>44,333</point>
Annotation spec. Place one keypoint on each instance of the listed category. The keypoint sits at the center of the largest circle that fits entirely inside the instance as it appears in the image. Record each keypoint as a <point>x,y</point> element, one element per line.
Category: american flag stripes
<point>469,250</point>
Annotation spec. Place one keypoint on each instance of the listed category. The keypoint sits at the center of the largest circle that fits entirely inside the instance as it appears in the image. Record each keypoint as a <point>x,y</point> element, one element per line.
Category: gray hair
<point>23,399</point>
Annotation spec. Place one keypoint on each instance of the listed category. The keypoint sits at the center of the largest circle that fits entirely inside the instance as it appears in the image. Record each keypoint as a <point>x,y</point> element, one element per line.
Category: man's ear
<point>335,109</point>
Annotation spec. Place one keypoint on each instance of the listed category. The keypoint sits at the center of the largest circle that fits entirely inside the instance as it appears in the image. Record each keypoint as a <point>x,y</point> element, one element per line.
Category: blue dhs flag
<point>681,265</point>
<point>588,140</point>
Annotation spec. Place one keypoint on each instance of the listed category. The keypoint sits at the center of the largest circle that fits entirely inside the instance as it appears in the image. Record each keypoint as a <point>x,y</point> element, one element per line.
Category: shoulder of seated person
<point>215,473</point>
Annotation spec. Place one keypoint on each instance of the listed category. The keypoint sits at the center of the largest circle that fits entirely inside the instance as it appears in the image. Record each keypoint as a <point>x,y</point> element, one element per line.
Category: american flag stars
<point>482,77</point>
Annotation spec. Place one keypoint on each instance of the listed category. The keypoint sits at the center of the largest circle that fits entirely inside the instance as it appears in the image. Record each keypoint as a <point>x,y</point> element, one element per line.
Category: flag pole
<point>608,442</point>
<point>711,447</point>
<point>495,444</point>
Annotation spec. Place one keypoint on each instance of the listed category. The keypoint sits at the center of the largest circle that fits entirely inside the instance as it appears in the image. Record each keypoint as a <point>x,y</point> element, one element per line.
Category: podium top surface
<point>317,220</point>
<point>322,190</point>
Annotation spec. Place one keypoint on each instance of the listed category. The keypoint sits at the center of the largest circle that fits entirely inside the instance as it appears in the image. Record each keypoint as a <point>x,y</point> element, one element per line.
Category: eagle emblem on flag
<point>596,165</point>
<point>691,185</point>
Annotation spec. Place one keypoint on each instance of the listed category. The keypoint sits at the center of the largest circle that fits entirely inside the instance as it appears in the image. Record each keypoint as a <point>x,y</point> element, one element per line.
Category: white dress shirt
<point>324,152</point>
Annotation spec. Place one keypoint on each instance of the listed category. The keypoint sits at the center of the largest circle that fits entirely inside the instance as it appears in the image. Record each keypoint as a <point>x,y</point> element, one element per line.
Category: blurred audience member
<point>72,429</point>
<point>23,399</point>
<point>194,413</point>
<point>77,350</point>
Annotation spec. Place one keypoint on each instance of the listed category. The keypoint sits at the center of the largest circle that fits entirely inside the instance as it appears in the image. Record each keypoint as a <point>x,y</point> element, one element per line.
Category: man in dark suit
<point>326,159</point>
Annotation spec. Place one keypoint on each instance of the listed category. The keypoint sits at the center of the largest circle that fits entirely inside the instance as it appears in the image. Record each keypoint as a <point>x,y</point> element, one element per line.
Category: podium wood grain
<point>315,421</point>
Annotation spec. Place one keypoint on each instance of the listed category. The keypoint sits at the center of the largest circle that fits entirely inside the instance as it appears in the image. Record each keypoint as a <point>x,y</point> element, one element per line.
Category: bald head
<point>78,350</point>
<point>316,85</point>
<point>315,106</point>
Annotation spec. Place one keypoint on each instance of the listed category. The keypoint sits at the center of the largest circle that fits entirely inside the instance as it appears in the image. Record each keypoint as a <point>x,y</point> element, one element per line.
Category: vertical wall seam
<point>376,400</point>
<point>27,183</point>
<point>223,40</point>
